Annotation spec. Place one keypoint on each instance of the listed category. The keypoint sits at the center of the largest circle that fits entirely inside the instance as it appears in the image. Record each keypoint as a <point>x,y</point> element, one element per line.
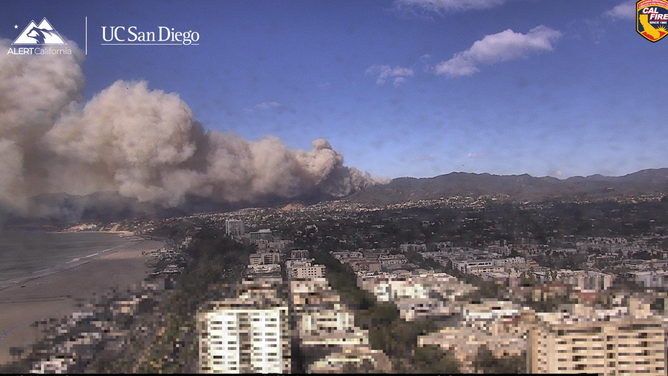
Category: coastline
<point>55,295</point>
<point>120,233</point>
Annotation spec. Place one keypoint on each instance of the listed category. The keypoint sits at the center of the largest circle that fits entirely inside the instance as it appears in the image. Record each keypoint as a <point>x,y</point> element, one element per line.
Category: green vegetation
<point>486,289</point>
<point>486,362</point>
<point>528,278</point>
<point>425,263</point>
<point>432,359</point>
<point>562,261</point>
<point>172,345</point>
<point>551,304</point>
<point>342,278</point>
<point>387,331</point>
<point>365,367</point>
<point>642,255</point>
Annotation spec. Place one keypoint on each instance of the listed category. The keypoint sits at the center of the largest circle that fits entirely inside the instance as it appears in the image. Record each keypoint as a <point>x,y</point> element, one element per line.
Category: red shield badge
<point>652,19</point>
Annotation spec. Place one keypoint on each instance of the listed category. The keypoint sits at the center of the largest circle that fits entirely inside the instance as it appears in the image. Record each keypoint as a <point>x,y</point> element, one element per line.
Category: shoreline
<point>55,295</point>
<point>120,233</point>
<point>80,261</point>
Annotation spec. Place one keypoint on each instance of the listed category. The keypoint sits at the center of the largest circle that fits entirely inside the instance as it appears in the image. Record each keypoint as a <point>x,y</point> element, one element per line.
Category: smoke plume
<point>143,144</point>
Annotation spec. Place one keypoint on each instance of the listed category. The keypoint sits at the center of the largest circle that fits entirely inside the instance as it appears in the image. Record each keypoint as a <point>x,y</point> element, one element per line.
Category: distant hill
<point>59,209</point>
<point>515,187</point>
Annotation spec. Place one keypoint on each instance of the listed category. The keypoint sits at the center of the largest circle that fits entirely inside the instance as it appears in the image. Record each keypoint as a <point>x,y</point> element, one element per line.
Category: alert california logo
<point>652,19</point>
<point>39,40</point>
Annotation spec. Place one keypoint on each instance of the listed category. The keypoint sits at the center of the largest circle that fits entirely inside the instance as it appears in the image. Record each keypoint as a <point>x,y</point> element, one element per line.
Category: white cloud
<point>625,10</point>
<point>385,71</point>
<point>398,81</point>
<point>266,105</point>
<point>476,155</point>
<point>439,6</point>
<point>504,46</point>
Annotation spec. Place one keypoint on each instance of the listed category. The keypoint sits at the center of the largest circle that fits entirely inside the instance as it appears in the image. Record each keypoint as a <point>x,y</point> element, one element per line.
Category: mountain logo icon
<point>42,34</point>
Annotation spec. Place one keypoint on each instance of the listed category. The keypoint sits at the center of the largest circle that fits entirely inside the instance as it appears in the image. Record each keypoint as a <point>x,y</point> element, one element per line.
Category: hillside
<point>516,187</point>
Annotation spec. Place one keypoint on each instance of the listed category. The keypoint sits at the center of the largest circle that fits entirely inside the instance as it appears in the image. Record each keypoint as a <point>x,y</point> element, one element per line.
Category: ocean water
<point>24,255</point>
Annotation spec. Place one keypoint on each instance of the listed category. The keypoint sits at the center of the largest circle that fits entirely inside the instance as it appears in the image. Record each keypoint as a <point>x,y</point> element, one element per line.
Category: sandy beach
<point>55,295</point>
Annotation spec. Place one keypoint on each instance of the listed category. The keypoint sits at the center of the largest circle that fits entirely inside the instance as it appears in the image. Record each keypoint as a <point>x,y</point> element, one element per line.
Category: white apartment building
<point>487,266</point>
<point>262,234</point>
<point>486,314</point>
<point>307,271</point>
<point>317,320</point>
<point>302,269</point>
<point>264,258</point>
<point>234,227</point>
<point>478,266</point>
<point>413,248</point>
<point>299,254</point>
<point>311,292</point>
<point>392,260</point>
<point>391,289</point>
<point>276,244</point>
<point>585,280</point>
<point>510,261</point>
<point>411,309</point>
<point>343,255</point>
<point>322,321</point>
<point>334,363</point>
<point>264,268</point>
<point>249,334</point>
<point>296,263</point>
<point>653,279</point>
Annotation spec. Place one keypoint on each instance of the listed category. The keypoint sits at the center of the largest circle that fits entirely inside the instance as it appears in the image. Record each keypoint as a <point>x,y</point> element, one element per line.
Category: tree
<point>486,362</point>
<point>528,279</point>
<point>659,305</point>
<point>642,255</point>
<point>366,367</point>
<point>16,351</point>
<point>432,359</point>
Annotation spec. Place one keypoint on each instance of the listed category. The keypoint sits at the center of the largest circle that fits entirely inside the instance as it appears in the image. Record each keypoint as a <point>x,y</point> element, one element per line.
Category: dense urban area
<point>450,285</point>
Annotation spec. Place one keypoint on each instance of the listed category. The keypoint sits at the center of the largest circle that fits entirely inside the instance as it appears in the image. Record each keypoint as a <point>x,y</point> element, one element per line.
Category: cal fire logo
<point>652,19</point>
<point>42,34</point>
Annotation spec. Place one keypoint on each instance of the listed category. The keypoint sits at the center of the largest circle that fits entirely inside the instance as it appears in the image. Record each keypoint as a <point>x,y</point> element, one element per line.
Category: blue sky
<point>401,88</point>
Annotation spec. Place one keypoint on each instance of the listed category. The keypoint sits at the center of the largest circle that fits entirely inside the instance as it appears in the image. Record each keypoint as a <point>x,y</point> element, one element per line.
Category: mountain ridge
<point>58,208</point>
<point>517,187</point>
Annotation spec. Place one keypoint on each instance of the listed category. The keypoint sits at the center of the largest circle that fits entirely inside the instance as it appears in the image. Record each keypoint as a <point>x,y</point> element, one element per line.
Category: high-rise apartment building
<point>234,227</point>
<point>262,234</point>
<point>623,341</point>
<point>248,334</point>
